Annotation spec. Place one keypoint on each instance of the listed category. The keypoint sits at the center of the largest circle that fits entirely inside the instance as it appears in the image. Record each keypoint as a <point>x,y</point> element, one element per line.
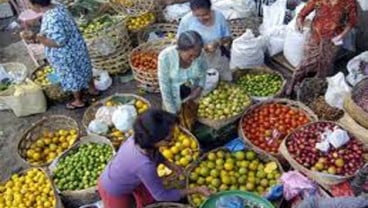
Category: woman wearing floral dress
<point>65,50</point>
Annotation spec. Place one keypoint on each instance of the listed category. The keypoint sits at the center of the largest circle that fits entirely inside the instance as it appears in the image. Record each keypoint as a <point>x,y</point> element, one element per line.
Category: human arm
<point>351,9</point>
<point>200,81</point>
<point>55,32</point>
<point>307,9</point>
<point>46,41</point>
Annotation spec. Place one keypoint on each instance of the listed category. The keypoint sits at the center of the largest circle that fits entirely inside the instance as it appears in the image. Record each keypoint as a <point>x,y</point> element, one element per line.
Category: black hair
<point>42,3</point>
<point>189,40</point>
<point>200,4</point>
<point>152,127</point>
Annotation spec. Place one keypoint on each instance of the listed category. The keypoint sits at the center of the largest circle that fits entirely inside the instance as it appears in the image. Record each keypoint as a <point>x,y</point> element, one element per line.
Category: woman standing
<point>215,31</point>
<point>332,22</point>
<point>132,175</point>
<point>65,50</point>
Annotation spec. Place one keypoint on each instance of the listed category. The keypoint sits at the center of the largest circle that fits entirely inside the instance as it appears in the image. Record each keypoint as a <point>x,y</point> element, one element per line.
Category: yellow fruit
<point>186,142</point>
<point>174,150</point>
<point>167,154</point>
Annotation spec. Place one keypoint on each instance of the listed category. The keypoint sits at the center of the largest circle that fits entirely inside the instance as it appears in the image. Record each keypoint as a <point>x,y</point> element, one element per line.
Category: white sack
<point>176,11</point>
<point>337,90</point>
<point>355,74</point>
<point>212,79</point>
<point>124,117</point>
<point>104,114</point>
<point>235,9</point>
<point>363,4</point>
<point>273,16</point>
<point>276,40</point>
<point>98,127</point>
<point>102,79</point>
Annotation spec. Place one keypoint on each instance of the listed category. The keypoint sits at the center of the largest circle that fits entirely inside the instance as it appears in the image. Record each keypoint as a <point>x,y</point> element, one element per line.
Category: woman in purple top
<point>133,170</point>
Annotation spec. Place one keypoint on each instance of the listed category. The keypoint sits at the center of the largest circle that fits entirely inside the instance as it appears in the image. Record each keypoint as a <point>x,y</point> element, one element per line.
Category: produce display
<point>224,102</point>
<point>49,145</point>
<point>222,170</point>
<point>268,124</point>
<point>81,168</point>
<point>41,76</point>
<point>140,22</point>
<point>32,189</point>
<point>343,161</point>
<point>96,25</point>
<point>182,152</point>
<point>145,60</point>
<point>324,111</point>
<point>261,84</point>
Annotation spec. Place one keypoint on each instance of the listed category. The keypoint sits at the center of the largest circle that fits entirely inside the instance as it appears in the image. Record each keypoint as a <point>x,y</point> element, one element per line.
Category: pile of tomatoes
<point>145,60</point>
<point>267,125</point>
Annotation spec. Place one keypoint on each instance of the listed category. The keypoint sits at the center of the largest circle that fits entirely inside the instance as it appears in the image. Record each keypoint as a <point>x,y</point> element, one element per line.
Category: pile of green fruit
<point>261,84</point>
<point>224,102</point>
<point>82,167</point>
<point>222,170</point>
<point>96,25</point>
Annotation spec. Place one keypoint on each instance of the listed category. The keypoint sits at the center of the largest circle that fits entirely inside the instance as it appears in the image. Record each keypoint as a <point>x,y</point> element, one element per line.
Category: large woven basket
<point>261,70</point>
<point>239,26</point>
<point>351,107</point>
<point>168,205</point>
<point>50,123</point>
<point>78,198</point>
<point>353,127</point>
<point>148,80</point>
<point>53,92</point>
<point>132,8</point>
<point>264,157</point>
<point>321,178</point>
<point>163,28</point>
<point>59,204</point>
<point>292,104</point>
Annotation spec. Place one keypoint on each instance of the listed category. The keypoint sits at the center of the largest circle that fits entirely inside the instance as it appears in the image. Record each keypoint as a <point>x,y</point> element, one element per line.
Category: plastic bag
<point>104,114</point>
<point>276,40</point>
<point>354,68</point>
<point>247,51</point>
<point>338,137</point>
<point>176,12</point>
<point>221,63</point>
<point>230,202</point>
<point>3,73</point>
<point>102,79</point>
<point>212,79</point>
<point>337,90</point>
<point>235,9</point>
<point>124,117</point>
<point>98,127</point>
<point>295,183</point>
<point>363,4</point>
<point>273,16</point>
<point>16,76</point>
<point>103,46</point>
<point>337,202</point>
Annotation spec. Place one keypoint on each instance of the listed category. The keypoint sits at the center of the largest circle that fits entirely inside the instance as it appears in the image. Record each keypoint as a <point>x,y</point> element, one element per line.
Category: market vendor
<point>65,49</point>
<point>132,174</point>
<point>216,34</point>
<point>182,74</point>
<point>333,21</point>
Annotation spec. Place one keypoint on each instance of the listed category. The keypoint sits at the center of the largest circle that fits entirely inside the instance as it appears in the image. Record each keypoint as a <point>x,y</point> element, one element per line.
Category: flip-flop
<point>71,106</point>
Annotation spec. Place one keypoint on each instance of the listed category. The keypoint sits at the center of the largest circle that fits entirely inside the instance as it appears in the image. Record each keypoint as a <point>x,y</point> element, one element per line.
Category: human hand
<point>211,47</point>
<point>41,37</point>
<point>27,35</point>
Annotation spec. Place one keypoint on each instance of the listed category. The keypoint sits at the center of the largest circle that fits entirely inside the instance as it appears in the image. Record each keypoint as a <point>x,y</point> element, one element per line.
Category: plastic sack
<point>247,51</point>
<point>124,117</point>
<point>230,202</point>
<point>337,90</point>
<point>363,4</point>
<point>338,137</point>
<point>295,184</point>
<point>337,202</point>
<point>273,16</point>
<point>276,40</point>
<point>102,79</point>
<point>98,127</point>
<point>3,73</point>
<point>176,12</point>
<point>16,75</point>
<point>221,63</point>
<point>235,145</point>
<point>356,74</point>
<point>24,99</point>
<point>212,79</point>
<point>103,46</point>
<point>104,114</point>
<point>235,9</point>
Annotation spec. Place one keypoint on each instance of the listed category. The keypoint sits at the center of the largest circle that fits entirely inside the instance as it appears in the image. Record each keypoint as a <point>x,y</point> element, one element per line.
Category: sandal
<point>72,106</point>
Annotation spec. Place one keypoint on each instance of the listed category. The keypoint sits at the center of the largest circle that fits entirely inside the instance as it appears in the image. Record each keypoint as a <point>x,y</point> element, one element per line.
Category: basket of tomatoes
<point>266,124</point>
<point>143,60</point>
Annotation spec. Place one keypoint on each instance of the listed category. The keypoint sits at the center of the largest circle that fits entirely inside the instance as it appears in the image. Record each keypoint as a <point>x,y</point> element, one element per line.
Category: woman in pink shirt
<point>132,172</point>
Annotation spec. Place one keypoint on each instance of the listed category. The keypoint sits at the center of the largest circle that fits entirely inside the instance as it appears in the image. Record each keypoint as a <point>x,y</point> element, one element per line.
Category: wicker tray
<point>239,26</point>
<point>51,123</point>
<point>148,80</point>
<point>289,103</point>
<point>168,205</point>
<point>164,28</point>
<point>132,8</point>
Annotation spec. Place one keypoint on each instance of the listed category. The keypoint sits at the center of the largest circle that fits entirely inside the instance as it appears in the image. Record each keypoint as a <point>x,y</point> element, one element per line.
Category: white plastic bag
<point>337,90</point>
<point>102,79</point>
<point>247,51</point>
<point>338,137</point>
<point>124,117</point>
<point>276,40</point>
<point>216,61</point>
<point>273,16</point>
<point>98,127</point>
<point>363,4</point>
<point>104,114</point>
<point>176,11</point>
<point>355,74</point>
<point>212,79</point>
<point>235,9</point>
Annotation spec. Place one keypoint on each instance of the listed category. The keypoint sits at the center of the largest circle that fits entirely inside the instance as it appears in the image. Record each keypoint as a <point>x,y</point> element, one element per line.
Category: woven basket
<point>264,157</point>
<point>289,103</point>
<point>148,80</point>
<point>354,110</point>
<point>321,178</point>
<point>158,10</point>
<point>168,205</point>
<point>164,28</point>
<point>261,70</point>
<point>50,123</point>
<point>59,204</point>
<point>78,198</point>
<point>239,26</point>
<point>132,8</point>
<point>353,127</point>
<point>53,92</point>
<point>16,69</point>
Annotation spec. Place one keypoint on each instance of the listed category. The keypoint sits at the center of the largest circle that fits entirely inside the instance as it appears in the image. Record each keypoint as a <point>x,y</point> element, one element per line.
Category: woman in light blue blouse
<point>215,31</point>
<point>182,71</point>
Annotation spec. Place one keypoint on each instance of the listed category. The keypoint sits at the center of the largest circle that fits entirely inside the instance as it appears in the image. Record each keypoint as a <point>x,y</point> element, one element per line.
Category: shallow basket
<point>321,178</point>
<point>59,204</point>
<point>53,92</point>
<point>261,70</point>
<point>164,28</point>
<point>292,104</point>
<point>148,80</point>
<point>351,107</point>
<point>168,205</point>
<point>50,123</point>
<point>78,198</point>
<point>239,26</point>
<point>132,8</point>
